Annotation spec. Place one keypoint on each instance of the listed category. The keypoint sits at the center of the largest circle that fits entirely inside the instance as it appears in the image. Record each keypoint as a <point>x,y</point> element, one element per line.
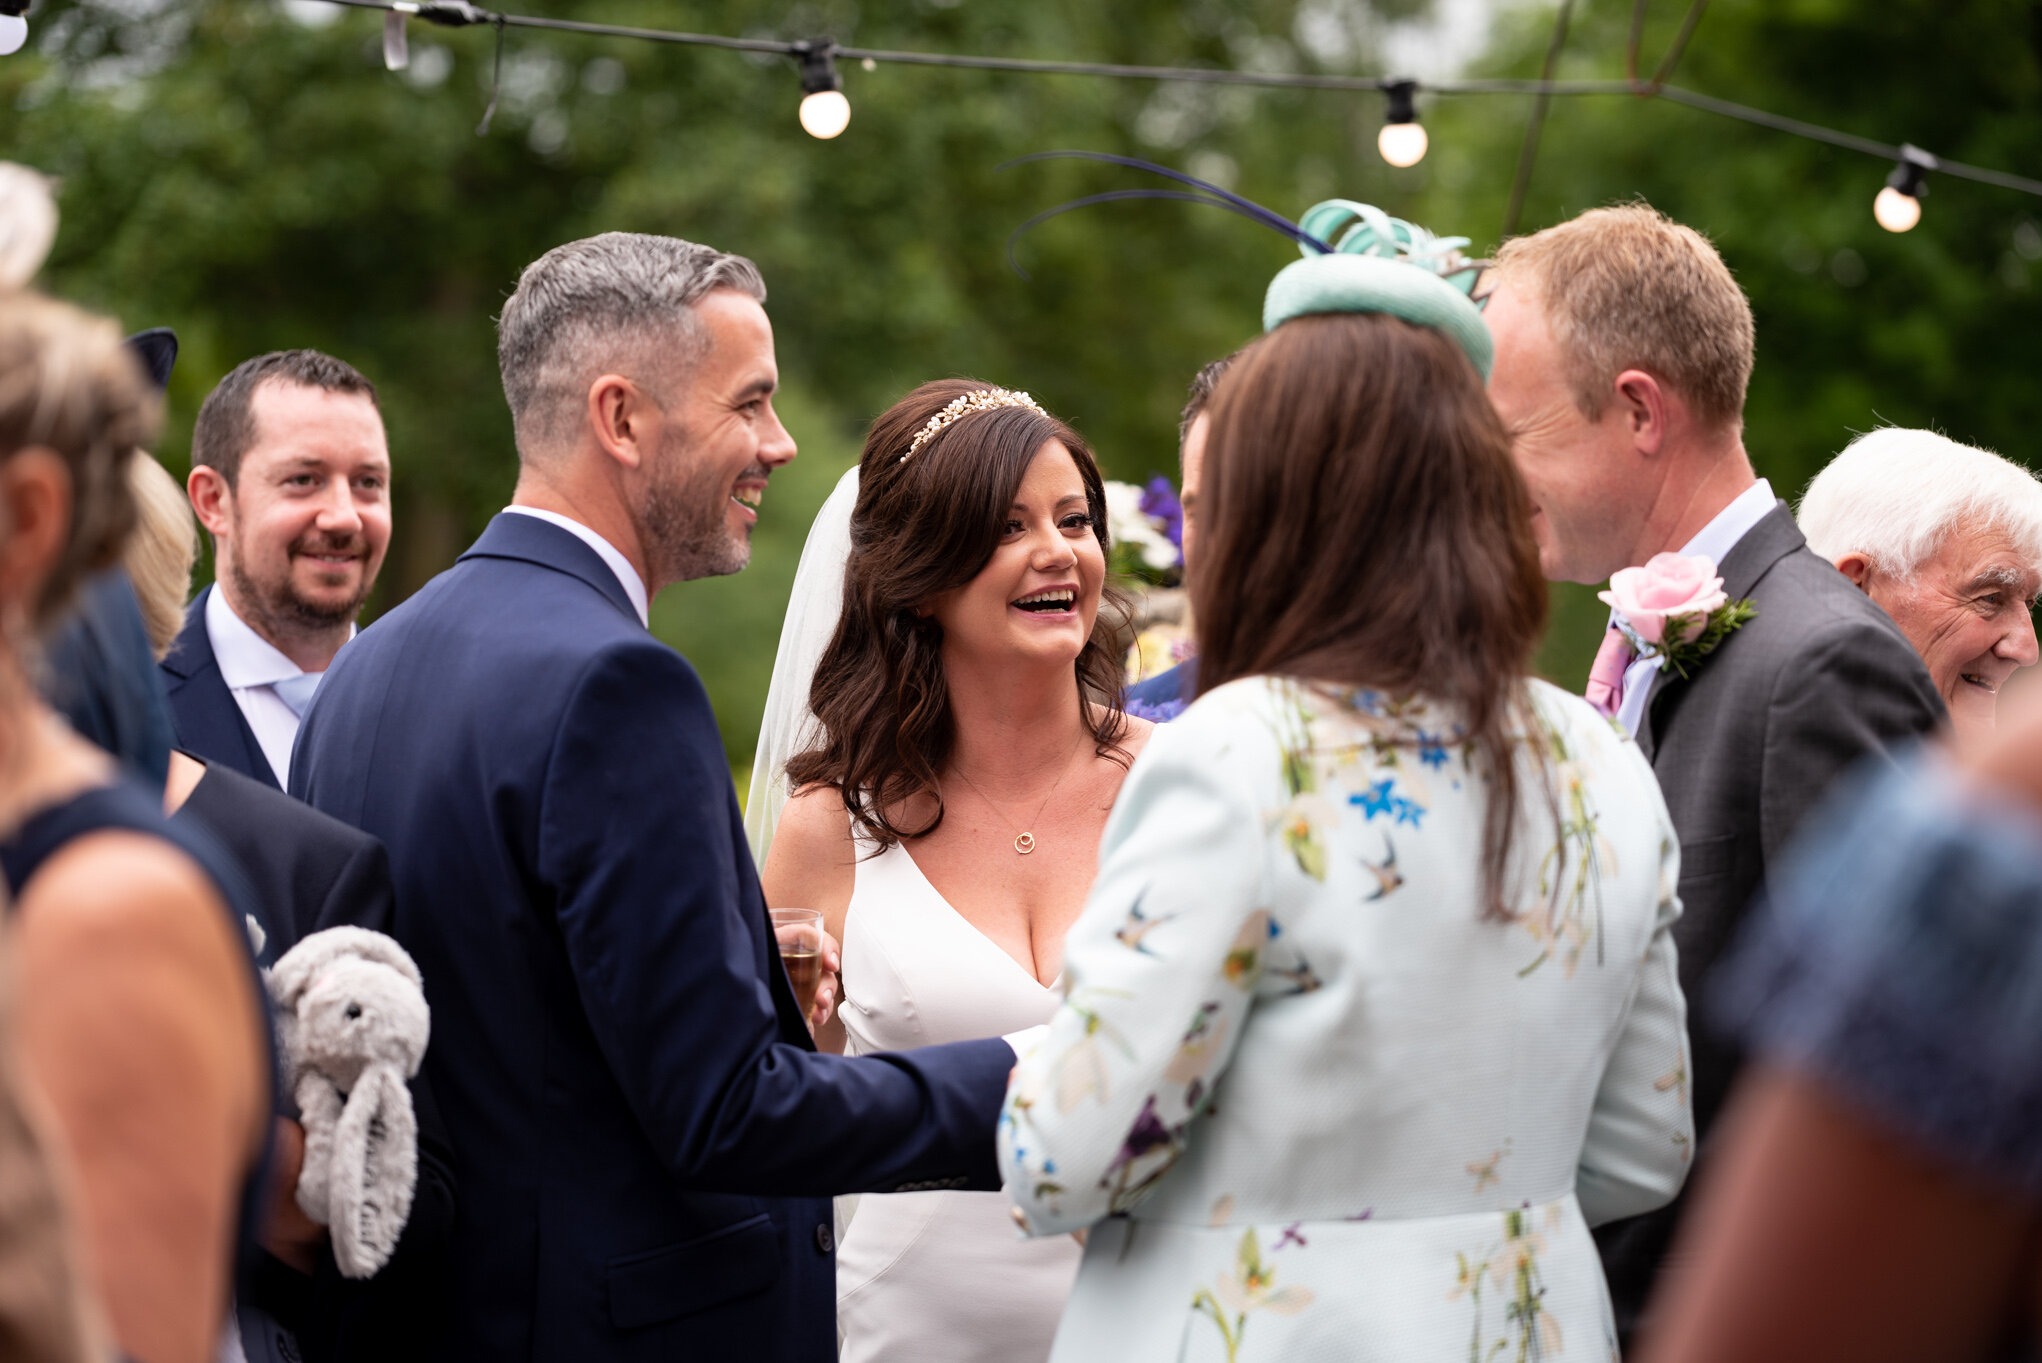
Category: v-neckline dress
<point>938,1276</point>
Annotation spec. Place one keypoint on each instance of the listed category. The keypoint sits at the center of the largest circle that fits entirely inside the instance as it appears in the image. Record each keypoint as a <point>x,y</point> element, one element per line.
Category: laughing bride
<point>950,790</point>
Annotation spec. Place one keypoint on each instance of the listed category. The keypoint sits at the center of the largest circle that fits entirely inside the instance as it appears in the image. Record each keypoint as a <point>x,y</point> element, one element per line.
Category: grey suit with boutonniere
<point>1744,747</point>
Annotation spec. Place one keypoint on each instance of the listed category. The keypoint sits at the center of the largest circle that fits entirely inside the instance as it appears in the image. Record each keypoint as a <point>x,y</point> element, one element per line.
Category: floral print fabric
<point>1292,1036</point>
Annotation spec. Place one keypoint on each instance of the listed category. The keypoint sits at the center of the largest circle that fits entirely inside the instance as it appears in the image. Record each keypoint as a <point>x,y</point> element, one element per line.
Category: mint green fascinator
<point>1381,264</point>
<point>1357,258</point>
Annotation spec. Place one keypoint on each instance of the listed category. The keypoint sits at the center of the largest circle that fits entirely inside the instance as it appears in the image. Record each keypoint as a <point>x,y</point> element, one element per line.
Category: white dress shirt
<point>627,576</point>
<point>1714,541</point>
<point>251,666</point>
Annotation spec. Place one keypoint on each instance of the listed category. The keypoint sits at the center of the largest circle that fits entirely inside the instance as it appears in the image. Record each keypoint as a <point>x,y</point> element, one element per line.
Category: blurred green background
<point>246,172</point>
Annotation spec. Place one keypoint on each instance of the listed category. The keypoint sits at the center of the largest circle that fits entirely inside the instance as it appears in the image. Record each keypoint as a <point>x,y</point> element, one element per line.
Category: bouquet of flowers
<point>1146,527</point>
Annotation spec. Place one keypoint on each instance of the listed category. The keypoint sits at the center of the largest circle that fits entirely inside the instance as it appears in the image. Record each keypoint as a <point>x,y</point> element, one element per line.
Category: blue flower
<point>1156,712</point>
<point>1159,503</point>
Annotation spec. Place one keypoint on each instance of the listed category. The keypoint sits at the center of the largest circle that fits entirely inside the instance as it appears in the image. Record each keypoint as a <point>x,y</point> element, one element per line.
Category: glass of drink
<point>800,934</point>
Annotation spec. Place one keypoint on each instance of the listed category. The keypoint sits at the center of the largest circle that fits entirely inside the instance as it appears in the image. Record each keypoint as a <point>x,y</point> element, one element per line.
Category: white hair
<point>1894,494</point>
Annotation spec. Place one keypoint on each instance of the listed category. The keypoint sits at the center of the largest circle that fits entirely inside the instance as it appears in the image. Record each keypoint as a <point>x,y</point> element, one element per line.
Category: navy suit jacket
<point>209,723</point>
<point>643,1133</point>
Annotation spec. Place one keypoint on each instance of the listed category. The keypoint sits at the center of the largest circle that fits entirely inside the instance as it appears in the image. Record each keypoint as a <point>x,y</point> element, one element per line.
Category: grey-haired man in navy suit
<point>291,474</point>
<point>644,1133</point>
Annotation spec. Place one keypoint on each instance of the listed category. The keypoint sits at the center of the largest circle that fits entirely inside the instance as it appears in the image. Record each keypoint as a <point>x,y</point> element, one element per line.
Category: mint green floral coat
<point>1316,1105</point>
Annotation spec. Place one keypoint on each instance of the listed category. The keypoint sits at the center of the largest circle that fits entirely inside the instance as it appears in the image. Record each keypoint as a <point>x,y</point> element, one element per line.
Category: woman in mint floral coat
<point>1372,1012</point>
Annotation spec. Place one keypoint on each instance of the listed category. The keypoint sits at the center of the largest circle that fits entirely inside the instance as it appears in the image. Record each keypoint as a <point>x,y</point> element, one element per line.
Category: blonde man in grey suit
<point>1623,347</point>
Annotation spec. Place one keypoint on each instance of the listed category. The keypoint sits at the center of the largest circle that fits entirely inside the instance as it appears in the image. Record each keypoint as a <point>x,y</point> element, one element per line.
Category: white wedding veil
<point>789,727</point>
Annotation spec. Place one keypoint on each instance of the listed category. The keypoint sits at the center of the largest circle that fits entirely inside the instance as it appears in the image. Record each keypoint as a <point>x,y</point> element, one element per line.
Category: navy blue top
<point>1899,961</point>
<point>129,807</point>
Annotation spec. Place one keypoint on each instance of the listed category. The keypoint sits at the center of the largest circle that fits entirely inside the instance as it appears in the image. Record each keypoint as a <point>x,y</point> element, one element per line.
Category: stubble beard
<point>279,612</point>
<point>687,523</point>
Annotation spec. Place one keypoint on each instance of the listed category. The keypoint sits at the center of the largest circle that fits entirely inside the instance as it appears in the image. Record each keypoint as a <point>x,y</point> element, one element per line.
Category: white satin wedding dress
<point>938,1277</point>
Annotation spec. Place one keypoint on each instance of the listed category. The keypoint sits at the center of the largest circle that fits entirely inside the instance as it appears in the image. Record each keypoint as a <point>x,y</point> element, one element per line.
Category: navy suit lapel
<point>516,536</point>
<point>202,709</point>
<point>1765,544</point>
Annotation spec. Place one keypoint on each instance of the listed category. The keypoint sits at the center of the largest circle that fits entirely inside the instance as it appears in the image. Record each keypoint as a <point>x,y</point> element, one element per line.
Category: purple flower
<point>1159,503</point>
<point>1157,712</point>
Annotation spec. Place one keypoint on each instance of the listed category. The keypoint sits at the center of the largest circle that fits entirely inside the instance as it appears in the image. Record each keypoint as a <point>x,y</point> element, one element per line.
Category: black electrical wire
<point>460,13</point>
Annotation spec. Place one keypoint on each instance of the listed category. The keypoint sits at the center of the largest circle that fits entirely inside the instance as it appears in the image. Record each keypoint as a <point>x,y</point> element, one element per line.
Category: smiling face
<point>1037,598</point>
<point>1967,612</point>
<point>719,442</point>
<point>303,529</point>
<point>1589,489</point>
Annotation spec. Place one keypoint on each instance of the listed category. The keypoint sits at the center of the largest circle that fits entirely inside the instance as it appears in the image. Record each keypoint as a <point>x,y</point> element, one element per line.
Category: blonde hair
<point>68,384</point>
<point>1629,288</point>
<point>161,551</point>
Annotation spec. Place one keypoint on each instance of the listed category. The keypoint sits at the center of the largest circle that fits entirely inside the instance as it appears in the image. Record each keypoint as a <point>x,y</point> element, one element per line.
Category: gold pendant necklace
<point>1024,841</point>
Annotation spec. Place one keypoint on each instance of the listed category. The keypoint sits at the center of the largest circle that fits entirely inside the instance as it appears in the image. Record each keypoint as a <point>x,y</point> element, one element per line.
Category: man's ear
<point>1643,404</point>
<point>1857,567</point>
<point>211,499</point>
<point>620,417</point>
<point>35,521</point>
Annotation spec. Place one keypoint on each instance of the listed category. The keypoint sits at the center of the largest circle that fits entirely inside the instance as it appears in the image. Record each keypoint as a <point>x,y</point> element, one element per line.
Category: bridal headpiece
<point>978,400</point>
<point>1357,259</point>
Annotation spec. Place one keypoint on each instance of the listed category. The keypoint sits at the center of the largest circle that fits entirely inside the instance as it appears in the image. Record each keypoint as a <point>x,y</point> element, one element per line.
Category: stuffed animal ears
<point>293,974</point>
<point>374,1172</point>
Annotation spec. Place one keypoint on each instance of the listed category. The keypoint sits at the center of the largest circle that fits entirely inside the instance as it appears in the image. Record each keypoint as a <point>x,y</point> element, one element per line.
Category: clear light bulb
<point>1895,211</point>
<point>825,113</point>
<point>1402,144</point>
<point>13,33</point>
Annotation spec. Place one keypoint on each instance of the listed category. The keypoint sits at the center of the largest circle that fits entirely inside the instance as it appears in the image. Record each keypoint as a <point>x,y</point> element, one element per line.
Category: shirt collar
<point>244,657</point>
<point>627,576</point>
<point>1716,539</point>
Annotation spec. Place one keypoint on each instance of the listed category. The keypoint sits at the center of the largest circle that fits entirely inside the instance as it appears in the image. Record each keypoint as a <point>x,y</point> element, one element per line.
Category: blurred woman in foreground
<point>1878,1195</point>
<point>140,1013</point>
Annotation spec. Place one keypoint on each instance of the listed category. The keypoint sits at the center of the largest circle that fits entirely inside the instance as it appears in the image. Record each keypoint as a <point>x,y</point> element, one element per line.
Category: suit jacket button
<point>826,1238</point>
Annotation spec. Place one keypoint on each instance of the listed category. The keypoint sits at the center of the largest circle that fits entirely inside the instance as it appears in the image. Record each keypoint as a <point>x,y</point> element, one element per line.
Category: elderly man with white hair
<point>1947,539</point>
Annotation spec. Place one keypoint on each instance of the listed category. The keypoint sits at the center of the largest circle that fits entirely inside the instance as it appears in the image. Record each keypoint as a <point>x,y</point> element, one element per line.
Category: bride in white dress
<point>951,775</point>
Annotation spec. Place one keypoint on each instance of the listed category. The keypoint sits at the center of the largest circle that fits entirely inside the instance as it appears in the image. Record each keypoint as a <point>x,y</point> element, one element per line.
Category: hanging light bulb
<point>396,43</point>
<point>13,26</point>
<point>1898,206</point>
<point>824,111</point>
<point>1402,140</point>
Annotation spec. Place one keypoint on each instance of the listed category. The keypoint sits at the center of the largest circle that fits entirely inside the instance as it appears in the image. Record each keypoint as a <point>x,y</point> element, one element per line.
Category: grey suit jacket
<point>1744,749</point>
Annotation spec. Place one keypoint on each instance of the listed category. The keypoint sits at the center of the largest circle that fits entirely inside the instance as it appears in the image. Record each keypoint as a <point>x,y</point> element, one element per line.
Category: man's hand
<point>289,1234</point>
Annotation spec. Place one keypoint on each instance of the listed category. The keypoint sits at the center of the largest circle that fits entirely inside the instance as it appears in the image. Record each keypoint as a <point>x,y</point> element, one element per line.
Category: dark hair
<point>922,527</point>
<point>68,384</point>
<point>1202,384</point>
<point>1364,524</point>
<point>226,424</point>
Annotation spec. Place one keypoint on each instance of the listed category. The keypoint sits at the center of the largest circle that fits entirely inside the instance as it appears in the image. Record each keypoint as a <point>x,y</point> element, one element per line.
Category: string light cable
<point>825,109</point>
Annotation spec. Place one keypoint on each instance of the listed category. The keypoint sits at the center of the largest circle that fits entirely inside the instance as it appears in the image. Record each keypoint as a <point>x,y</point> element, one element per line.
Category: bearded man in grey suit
<point>1623,347</point>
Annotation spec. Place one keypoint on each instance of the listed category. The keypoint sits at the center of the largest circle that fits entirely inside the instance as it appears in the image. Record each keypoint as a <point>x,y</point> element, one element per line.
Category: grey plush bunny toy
<point>353,1023</point>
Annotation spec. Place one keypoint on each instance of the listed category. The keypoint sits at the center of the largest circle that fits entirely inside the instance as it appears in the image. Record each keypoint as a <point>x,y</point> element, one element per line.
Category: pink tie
<point>1606,678</point>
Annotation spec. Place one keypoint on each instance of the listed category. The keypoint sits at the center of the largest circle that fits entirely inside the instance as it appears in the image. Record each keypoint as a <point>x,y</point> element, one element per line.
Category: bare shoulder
<point>124,892</point>
<point>1137,736</point>
<point>812,860</point>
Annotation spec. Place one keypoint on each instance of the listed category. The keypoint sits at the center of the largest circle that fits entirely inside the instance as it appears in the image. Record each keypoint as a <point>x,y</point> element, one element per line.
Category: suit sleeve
<point>1162,968</point>
<point>361,895</point>
<point>1641,1132</point>
<point>659,911</point>
<point>1855,691</point>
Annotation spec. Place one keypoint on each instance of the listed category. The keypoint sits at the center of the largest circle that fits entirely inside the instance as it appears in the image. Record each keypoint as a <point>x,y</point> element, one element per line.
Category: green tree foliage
<point>259,181</point>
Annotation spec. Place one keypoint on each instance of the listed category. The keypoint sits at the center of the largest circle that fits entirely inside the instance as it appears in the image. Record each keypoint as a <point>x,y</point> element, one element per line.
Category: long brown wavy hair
<point>1362,523</point>
<point>921,527</point>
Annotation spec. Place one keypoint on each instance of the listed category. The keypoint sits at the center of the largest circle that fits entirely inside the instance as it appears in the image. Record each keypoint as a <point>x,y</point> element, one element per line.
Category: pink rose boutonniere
<point>1674,609</point>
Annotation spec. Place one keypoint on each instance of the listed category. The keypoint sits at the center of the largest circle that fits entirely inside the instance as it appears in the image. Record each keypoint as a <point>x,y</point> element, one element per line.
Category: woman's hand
<point>827,988</point>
